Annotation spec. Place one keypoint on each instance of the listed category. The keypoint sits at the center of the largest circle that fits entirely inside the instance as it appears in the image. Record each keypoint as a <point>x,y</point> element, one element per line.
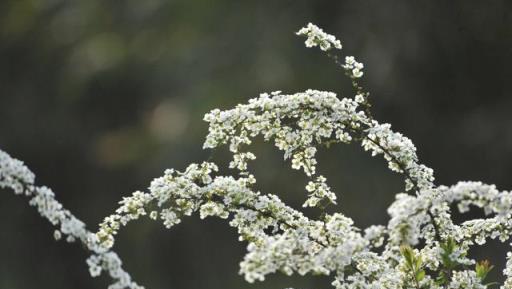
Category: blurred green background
<point>99,97</point>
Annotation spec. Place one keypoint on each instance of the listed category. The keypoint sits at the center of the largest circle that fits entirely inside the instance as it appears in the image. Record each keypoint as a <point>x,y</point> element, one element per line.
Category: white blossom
<point>14,175</point>
<point>316,36</point>
<point>318,191</point>
<point>419,247</point>
<point>355,67</point>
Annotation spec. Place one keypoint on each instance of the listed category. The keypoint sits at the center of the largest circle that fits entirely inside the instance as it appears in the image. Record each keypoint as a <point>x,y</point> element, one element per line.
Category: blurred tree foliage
<point>99,97</point>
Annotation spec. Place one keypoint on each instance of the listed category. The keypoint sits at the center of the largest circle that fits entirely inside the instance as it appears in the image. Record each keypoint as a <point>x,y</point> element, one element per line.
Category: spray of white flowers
<point>421,247</point>
<point>16,176</point>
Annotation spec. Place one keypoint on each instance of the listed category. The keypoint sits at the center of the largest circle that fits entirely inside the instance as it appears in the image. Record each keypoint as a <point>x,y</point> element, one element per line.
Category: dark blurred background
<point>99,97</point>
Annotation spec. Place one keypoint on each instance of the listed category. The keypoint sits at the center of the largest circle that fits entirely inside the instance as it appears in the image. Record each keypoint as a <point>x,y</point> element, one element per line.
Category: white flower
<point>316,36</point>
<point>319,191</point>
<point>57,235</point>
<point>16,176</point>
<point>355,67</point>
<point>282,239</point>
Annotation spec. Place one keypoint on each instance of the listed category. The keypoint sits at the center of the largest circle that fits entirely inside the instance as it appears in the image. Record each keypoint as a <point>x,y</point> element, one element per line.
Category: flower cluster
<point>16,176</point>
<point>299,123</point>
<point>279,237</point>
<point>316,36</point>
<point>420,247</point>
<point>319,191</point>
<point>355,67</point>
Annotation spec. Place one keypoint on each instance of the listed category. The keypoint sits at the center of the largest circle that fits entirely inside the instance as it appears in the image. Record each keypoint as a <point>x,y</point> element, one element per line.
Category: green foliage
<point>414,264</point>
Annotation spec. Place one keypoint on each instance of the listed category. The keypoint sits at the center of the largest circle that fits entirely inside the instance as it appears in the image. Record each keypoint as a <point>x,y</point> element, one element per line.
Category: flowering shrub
<point>421,247</point>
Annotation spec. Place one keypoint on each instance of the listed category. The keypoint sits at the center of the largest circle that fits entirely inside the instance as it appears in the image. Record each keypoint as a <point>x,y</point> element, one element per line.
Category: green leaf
<point>420,275</point>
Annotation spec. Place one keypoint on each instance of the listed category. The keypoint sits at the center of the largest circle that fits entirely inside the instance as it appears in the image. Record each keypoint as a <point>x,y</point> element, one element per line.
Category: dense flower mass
<point>420,247</point>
